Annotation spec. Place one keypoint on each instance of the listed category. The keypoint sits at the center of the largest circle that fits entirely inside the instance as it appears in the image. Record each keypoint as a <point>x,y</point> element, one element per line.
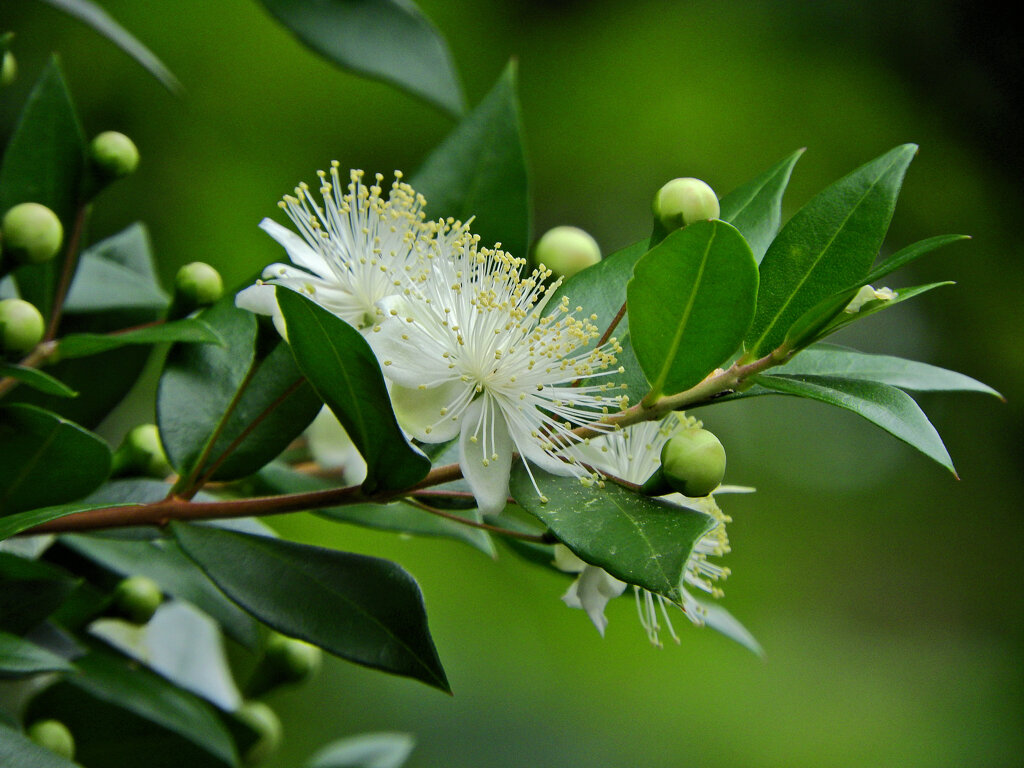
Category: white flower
<point>350,249</point>
<point>868,293</point>
<point>332,448</point>
<point>470,353</point>
<point>632,454</point>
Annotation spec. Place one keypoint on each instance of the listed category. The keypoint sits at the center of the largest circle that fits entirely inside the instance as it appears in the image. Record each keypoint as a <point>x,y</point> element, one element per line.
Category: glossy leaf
<point>755,208</point>
<point>32,590</point>
<point>638,539</point>
<point>361,608</point>
<point>188,330</point>
<point>344,372</point>
<point>46,460</point>
<point>200,382</point>
<point>828,245</point>
<point>479,171</point>
<point>911,253</point>
<point>367,750</point>
<point>124,716</point>
<point>869,308</point>
<point>887,407</point>
<point>165,563</point>
<point>389,40</point>
<point>690,303</point>
<point>44,163</point>
<point>39,380</point>
<point>21,658</point>
<point>117,275</point>
<point>827,360</point>
<point>19,751</point>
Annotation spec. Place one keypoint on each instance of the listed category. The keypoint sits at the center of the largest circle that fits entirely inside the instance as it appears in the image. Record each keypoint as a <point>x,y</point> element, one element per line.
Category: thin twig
<point>482,526</point>
<point>67,271</point>
<point>615,321</point>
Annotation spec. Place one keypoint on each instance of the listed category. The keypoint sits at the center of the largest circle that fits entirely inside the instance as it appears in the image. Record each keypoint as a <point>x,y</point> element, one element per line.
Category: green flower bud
<point>693,462</point>
<point>141,452</point>
<point>199,284</point>
<point>566,250</point>
<point>265,722</point>
<point>54,736</point>
<point>114,154</point>
<point>21,325</point>
<point>32,232</point>
<point>684,201</point>
<point>8,69</point>
<point>136,599</point>
<point>298,660</point>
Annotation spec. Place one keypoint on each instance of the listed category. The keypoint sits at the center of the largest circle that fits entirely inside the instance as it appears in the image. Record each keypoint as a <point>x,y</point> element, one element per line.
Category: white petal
<point>528,447</point>
<point>591,592</point>
<point>401,360</point>
<point>419,410</point>
<point>566,560</point>
<point>299,251</point>
<point>332,448</point>
<point>257,298</point>
<point>489,482</point>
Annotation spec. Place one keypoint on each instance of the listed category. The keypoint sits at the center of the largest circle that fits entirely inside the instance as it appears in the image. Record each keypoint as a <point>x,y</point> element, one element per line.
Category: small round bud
<point>265,722</point>
<point>136,599</point>
<point>8,69</point>
<point>693,462</point>
<point>297,660</point>
<point>32,232</point>
<point>141,452</point>
<point>54,736</point>
<point>21,325</point>
<point>567,250</point>
<point>199,283</point>
<point>684,201</point>
<point>114,154</point>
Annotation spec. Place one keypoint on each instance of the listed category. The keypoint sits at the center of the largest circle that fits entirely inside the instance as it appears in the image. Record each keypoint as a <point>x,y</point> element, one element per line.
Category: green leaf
<point>165,563</point>
<point>361,608</point>
<point>92,15</point>
<point>113,706</point>
<point>691,300</point>
<point>601,291</point>
<point>887,407</point>
<point>46,460</point>
<point>399,516</point>
<point>44,163</point>
<point>36,379</point>
<point>479,171</point>
<point>638,539</point>
<point>201,381</point>
<point>911,253</point>
<point>828,245</point>
<point>388,40</point>
<point>117,275</point>
<point>18,751</point>
<point>343,370</point>
<point>188,330</point>
<point>826,360</point>
<point>22,521</point>
<point>367,750</point>
<point>31,591</point>
<point>869,308</point>
<point>755,208</point>
<point>20,658</point>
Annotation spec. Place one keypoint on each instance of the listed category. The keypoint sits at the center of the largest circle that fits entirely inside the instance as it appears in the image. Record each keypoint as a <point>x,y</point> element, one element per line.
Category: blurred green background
<point>887,594</point>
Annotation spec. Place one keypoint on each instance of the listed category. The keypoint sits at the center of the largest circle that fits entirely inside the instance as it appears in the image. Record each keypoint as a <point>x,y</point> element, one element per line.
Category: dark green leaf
<point>398,516</point>
<point>189,330</point>
<point>124,716</point>
<point>20,658</point>
<point>828,245</point>
<point>367,750</point>
<point>906,255</point>
<point>46,460</point>
<point>637,539</point>
<point>92,15</point>
<point>201,381</point>
<point>117,274</point>
<point>22,521</point>
<point>31,591</point>
<point>479,171</point>
<point>690,303</point>
<point>18,751</point>
<point>36,379</point>
<point>343,370</point>
<point>889,408</point>
<point>364,609</point>
<point>389,40</point>
<point>755,208</point>
<point>44,163</point>
<point>869,308</point>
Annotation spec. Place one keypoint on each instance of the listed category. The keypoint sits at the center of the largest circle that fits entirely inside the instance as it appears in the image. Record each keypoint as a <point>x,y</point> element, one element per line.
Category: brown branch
<point>67,271</point>
<point>615,321</point>
<point>482,526</point>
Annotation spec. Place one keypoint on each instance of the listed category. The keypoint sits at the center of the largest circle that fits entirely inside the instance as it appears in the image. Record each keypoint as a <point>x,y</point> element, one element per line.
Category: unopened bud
<point>141,453</point>
<point>8,69</point>
<point>21,325</point>
<point>114,154</point>
<point>54,736</point>
<point>199,284</point>
<point>693,462</point>
<point>32,232</point>
<point>266,723</point>
<point>567,250</point>
<point>296,659</point>
<point>684,201</point>
<point>136,599</point>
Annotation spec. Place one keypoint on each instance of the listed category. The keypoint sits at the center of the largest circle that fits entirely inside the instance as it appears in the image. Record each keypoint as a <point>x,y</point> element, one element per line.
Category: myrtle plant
<point>410,364</point>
